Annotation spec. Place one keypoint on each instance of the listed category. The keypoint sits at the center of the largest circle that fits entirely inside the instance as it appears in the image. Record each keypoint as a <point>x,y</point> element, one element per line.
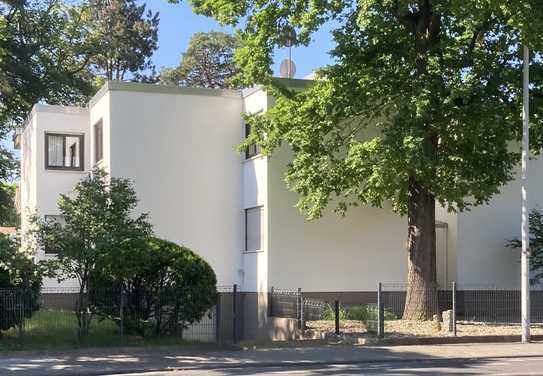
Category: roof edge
<point>160,89</point>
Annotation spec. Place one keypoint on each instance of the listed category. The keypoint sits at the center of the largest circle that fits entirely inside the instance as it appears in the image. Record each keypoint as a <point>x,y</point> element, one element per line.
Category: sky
<point>178,23</point>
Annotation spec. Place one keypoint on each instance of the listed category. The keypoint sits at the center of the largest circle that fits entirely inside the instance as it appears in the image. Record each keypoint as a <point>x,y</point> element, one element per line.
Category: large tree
<point>124,36</point>
<point>208,62</point>
<point>418,107</point>
<point>42,58</point>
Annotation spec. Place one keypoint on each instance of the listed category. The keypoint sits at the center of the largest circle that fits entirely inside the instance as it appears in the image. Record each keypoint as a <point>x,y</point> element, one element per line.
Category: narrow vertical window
<point>253,229</point>
<point>252,150</point>
<point>98,142</point>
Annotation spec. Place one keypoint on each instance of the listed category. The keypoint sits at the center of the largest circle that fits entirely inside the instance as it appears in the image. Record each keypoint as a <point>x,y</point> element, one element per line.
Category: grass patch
<point>53,329</point>
<point>366,312</point>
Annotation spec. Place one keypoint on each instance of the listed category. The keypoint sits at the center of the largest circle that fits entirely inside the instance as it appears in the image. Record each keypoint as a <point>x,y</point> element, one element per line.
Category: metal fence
<point>64,317</point>
<point>465,310</point>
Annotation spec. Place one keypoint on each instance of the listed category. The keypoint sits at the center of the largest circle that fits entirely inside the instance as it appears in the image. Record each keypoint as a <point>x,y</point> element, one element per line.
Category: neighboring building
<point>178,145</point>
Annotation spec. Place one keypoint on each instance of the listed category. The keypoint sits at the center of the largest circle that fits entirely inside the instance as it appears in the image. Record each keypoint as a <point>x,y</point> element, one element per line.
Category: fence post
<point>218,319</point>
<point>301,311</point>
<point>234,313</point>
<point>121,313</point>
<point>270,302</point>
<point>453,313</point>
<point>336,314</point>
<point>380,312</point>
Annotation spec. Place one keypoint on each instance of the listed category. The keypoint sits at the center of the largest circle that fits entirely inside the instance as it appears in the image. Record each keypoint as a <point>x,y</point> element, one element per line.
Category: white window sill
<point>258,156</point>
<point>249,252</point>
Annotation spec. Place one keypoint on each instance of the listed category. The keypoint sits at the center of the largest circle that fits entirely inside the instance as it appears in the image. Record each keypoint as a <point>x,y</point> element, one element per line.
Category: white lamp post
<point>525,230</point>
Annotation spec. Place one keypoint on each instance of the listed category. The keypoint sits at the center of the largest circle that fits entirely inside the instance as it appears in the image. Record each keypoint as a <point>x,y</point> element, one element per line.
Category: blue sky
<point>178,23</point>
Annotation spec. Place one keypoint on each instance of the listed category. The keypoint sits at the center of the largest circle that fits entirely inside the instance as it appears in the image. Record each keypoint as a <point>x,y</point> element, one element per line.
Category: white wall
<point>255,193</point>
<point>334,253</point>
<point>40,187</point>
<point>483,259</point>
<point>100,111</point>
<point>180,151</point>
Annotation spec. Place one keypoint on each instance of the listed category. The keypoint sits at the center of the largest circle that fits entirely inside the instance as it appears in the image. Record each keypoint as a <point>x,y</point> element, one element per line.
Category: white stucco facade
<point>179,145</point>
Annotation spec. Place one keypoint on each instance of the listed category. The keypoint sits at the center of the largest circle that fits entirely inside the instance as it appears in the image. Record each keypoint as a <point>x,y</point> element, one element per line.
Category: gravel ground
<point>406,328</point>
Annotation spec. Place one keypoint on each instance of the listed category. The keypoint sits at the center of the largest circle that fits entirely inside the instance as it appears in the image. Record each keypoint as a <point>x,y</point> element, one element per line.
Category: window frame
<point>252,150</point>
<point>246,210</point>
<point>98,141</point>
<point>81,138</point>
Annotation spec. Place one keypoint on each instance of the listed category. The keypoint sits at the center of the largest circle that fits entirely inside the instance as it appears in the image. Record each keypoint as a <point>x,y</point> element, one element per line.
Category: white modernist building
<point>178,145</point>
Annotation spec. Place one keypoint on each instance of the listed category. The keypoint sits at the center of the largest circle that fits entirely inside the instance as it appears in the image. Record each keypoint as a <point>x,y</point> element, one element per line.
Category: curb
<point>448,340</point>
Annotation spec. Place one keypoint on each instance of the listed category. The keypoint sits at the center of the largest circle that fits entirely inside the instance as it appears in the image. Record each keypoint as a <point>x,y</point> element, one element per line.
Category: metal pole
<point>218,319</point>
<point>121,315</point>
<point>336,314</point>
<point>234,313</point>
<point>525,256</point>
<point>301,305</point>
<point>453,313</point>
<point>380,312</point>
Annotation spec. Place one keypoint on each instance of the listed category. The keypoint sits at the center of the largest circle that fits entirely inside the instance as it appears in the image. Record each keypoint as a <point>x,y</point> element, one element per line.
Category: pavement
<point>314,360</point>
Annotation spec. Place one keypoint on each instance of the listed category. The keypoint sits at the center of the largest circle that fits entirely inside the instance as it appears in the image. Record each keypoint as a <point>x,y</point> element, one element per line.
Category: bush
<point>166,287</point>
<point>20,282</point>
<point>364,313</point>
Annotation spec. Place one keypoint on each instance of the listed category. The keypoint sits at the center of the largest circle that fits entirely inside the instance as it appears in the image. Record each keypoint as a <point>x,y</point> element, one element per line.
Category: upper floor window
<point>63,151</point>
<point>253,149</point>
<point>98,142</point>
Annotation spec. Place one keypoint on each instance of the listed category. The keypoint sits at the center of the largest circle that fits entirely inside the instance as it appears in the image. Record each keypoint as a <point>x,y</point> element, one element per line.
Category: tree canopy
<point>536,246</point>
<point>208,62</point>
<point>123,36</point>
<point>420,104</point>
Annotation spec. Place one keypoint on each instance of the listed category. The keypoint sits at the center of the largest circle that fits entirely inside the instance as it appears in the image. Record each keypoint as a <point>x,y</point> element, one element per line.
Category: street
<point>497,366</point>
<point>475,359</point>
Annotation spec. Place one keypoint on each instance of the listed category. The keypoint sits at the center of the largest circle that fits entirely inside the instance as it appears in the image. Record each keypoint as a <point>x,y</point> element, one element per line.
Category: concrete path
<point>137,360</point>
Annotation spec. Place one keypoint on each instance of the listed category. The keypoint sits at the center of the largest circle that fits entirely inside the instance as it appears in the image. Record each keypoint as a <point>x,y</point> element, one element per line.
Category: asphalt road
<point>494,366</point>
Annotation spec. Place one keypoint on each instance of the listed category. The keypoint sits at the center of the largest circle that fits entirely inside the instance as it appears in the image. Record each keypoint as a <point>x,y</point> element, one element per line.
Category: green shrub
<point>366,312</point>
<point>166,287</point>
<point>20,281</point>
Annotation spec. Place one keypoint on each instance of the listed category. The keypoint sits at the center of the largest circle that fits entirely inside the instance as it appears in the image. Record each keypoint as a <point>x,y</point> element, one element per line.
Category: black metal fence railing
<point>64,317</point>
<point>466,310</point>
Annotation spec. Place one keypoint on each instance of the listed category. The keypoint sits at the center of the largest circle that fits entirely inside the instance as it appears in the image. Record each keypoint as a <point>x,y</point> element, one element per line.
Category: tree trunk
<point>421,298</point>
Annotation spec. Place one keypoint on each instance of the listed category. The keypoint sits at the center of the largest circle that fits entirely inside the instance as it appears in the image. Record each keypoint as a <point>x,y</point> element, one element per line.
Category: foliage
<point>536,245</point>
<point>42,58</point>
<point>123,37</point>
<point>98,223</point>
<point>208,62</point>
<point>166,287</point>
<point>20,282</point>
<point>8,212</point>
<point>55,329</point>
<point>367,312</point>
<point>419,106</point>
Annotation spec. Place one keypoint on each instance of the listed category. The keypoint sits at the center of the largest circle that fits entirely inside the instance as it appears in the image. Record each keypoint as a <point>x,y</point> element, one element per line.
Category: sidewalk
<point>127,360</point>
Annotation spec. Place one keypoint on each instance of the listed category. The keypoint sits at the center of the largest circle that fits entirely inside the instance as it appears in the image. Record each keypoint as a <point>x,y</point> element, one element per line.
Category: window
<point>63,151</point>
<point>98,142</point>
<point>252,150</point>
<point>52,220</point>
<point>253,229</point>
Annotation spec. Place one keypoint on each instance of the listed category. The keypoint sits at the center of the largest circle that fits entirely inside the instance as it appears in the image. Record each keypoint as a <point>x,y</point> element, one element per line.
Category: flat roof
<point>160,89</point>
